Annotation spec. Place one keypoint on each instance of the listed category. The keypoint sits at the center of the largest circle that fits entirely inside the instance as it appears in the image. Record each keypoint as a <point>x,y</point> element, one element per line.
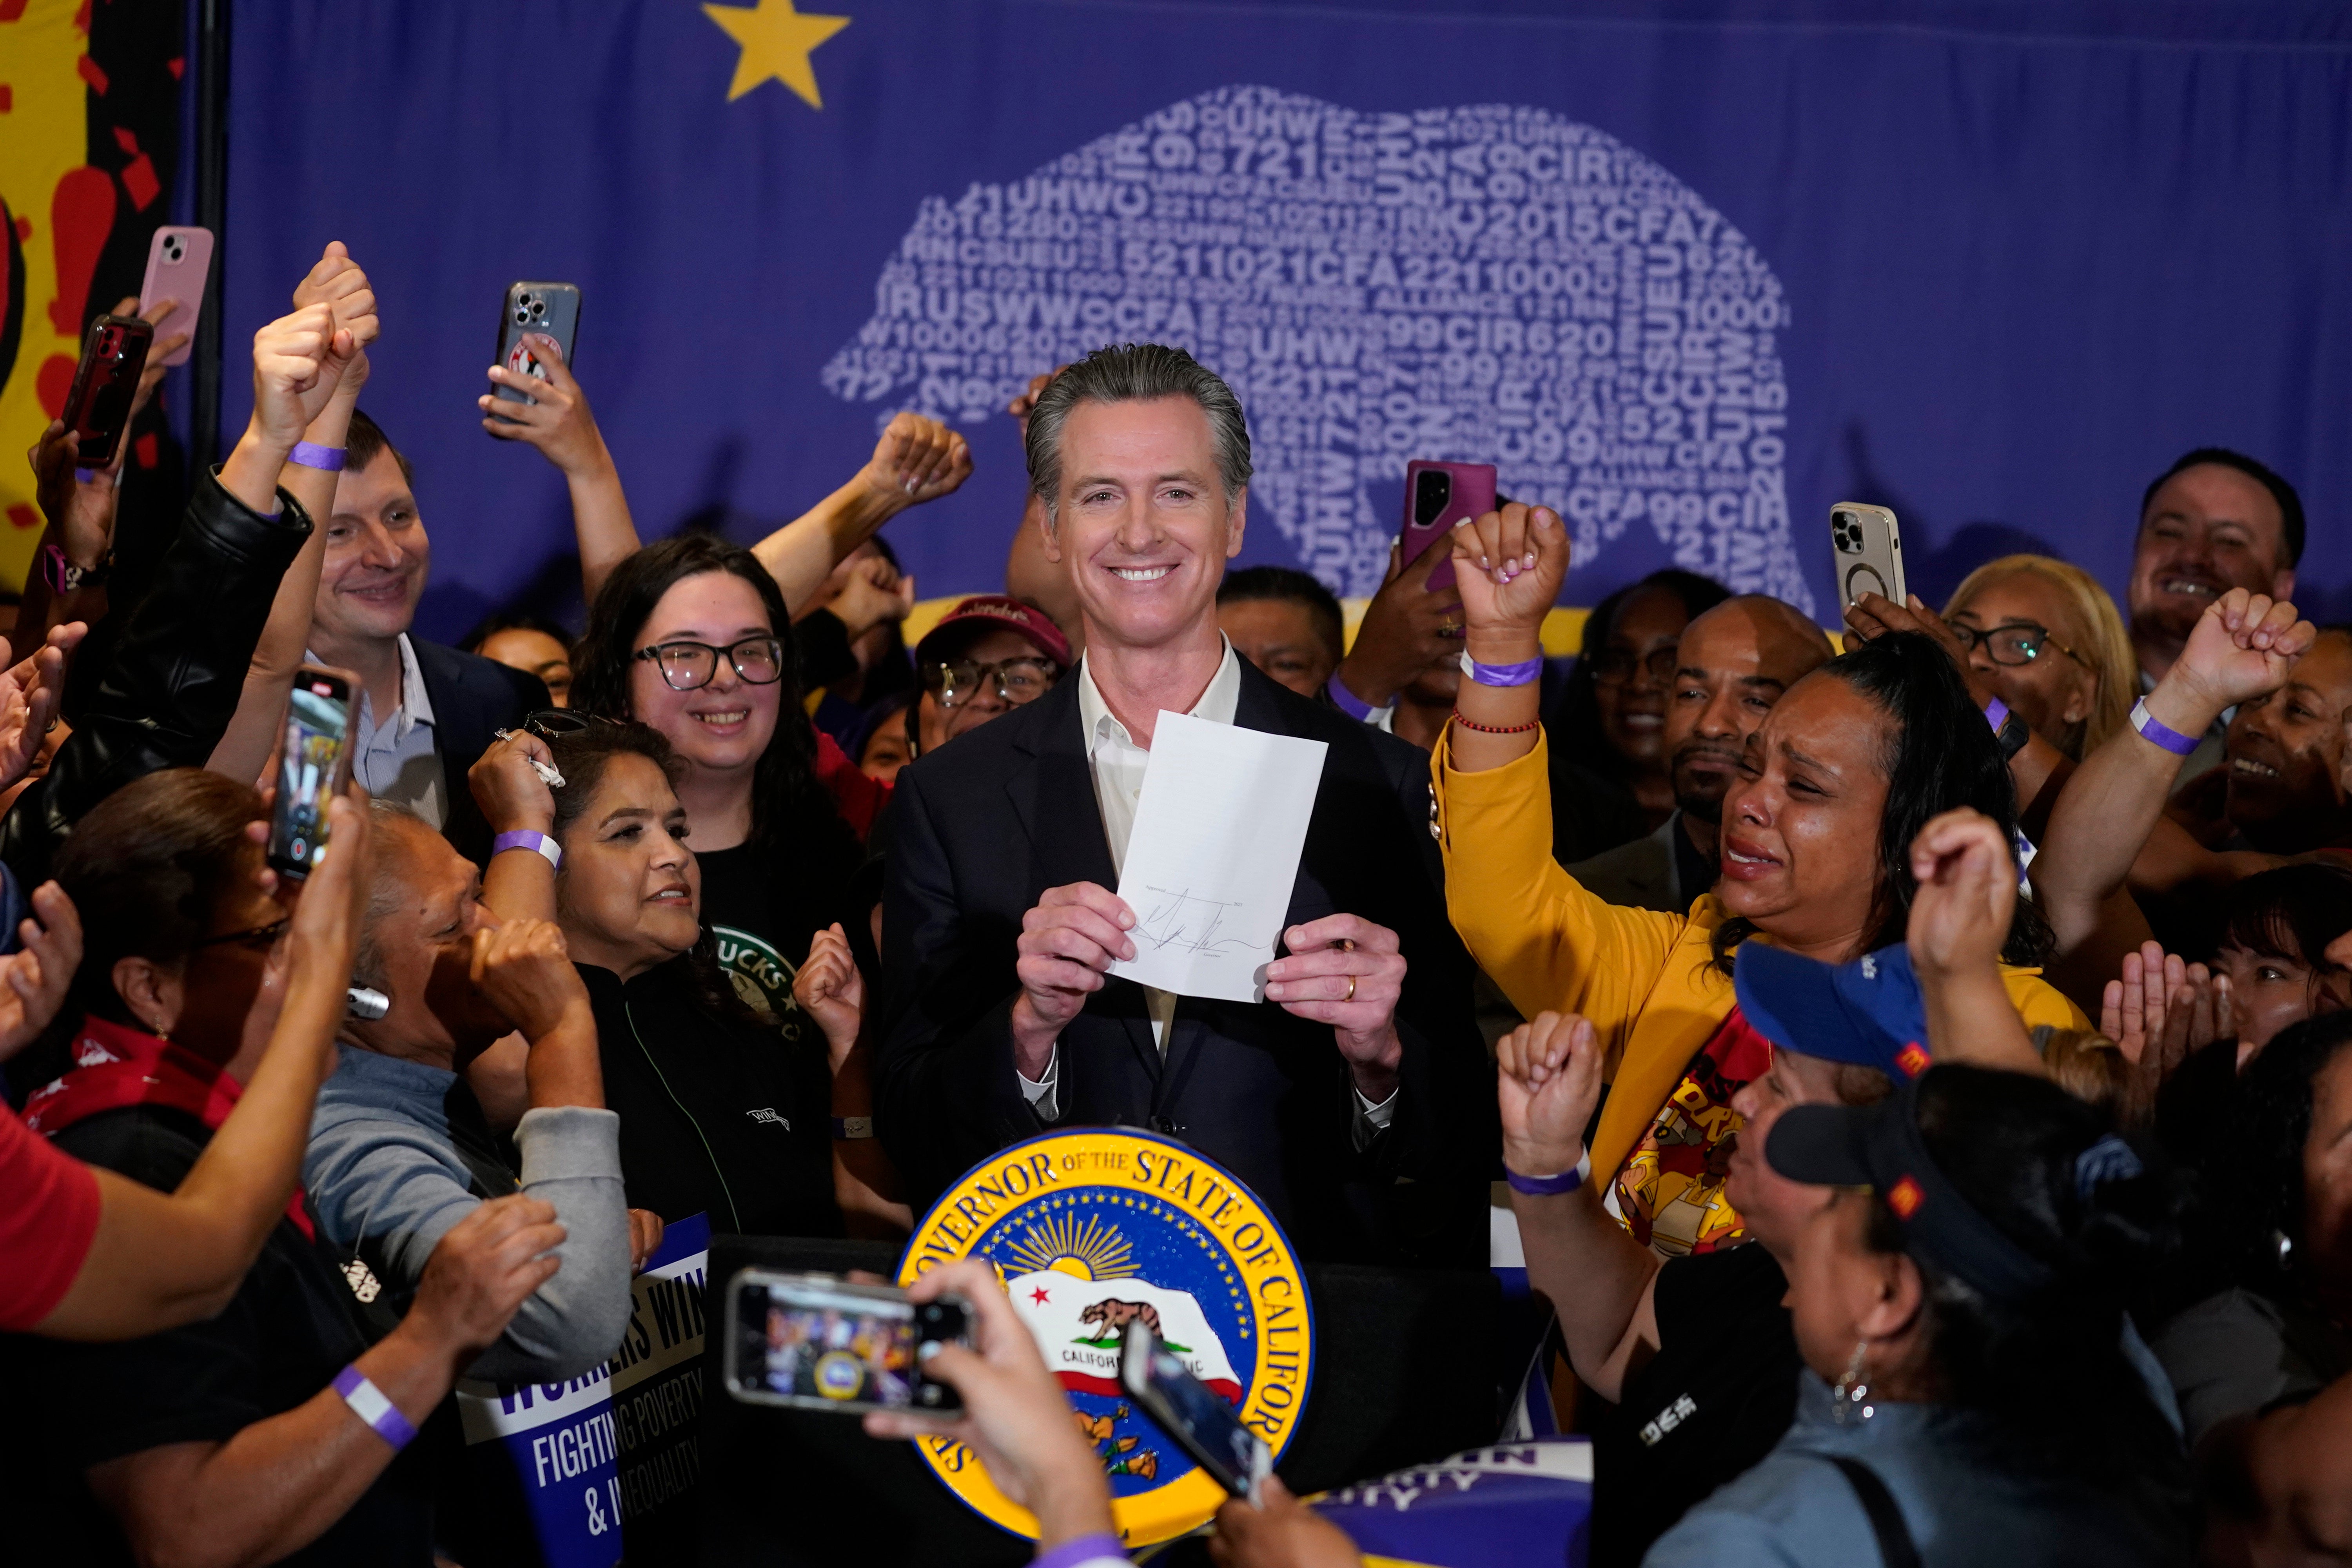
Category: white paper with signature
<point>1214,853</point>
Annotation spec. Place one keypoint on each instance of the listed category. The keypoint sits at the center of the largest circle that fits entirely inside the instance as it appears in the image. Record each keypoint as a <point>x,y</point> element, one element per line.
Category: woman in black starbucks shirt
<point>720,1113</point>
<point>690,636</point>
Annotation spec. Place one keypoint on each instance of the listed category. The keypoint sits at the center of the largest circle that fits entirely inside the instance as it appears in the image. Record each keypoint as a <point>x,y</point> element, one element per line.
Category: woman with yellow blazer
<point>1816,846</point>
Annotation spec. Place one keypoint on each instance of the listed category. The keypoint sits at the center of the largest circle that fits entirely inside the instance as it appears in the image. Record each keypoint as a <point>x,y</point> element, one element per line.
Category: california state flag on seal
<point>1079,1323</point>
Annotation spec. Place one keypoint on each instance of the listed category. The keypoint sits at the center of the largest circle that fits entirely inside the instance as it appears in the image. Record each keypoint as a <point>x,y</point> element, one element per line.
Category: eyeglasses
<point>685,665</point>
<point>2013,643</point>
<point>1018,681</point>
<point>260,939</point>
<point>1615,666</point>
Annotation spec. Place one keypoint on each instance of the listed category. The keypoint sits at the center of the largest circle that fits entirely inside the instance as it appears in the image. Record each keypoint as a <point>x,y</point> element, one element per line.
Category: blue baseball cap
<point>1868,1012</point>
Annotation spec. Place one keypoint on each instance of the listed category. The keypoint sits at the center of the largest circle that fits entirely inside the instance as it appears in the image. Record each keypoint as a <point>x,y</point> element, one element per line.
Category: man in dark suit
<point>427,712</point>
<point>1358,1100</point>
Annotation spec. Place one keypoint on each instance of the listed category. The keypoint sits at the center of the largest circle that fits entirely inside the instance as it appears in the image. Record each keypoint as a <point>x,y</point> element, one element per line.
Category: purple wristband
<point>310,455</point>
<point>2154,730</point>
<point>1996,714</point>
<point>1519,674</point>
<point>1354,706</point>
<point>539,843</point>
<point>1551,1186</point>
<point>369,1404</point>
<point>1102,1546</point>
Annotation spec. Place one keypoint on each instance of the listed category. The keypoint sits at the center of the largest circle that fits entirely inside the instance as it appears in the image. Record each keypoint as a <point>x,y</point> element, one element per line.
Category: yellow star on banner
<point>776,42</point>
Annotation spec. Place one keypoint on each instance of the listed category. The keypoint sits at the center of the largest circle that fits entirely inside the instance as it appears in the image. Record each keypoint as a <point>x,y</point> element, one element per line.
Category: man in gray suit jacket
<point>1736,661</point>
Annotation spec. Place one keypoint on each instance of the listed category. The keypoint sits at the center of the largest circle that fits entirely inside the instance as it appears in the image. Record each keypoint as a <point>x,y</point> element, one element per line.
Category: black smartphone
<point>97,409</point>
<point>819,1343</point>
<point>1192,1413</point>
<point>312,766</point>
<point>549,307</point>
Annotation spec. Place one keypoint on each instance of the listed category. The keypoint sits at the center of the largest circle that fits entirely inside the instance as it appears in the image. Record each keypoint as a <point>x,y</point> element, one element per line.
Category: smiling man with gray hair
<point>1358,1099</point>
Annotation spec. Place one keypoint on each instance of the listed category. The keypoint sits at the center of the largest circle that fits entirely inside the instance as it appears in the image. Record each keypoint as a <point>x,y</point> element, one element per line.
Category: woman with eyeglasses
<point>987,656</point>
<point>690,638</point>
<point>1610,777</point>
<point>2045,638</point>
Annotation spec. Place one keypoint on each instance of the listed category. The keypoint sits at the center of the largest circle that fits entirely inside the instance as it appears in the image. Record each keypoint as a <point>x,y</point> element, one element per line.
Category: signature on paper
<point>1186,922</point>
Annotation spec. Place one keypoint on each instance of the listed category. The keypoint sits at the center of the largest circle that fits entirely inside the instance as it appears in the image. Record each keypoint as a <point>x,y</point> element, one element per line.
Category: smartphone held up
<point>529,309</point>
<point>1437,496</point>
<point>1868,549</point>
<point>813,1342</point>
<point>179,263</point>
<point>313,764</point>
<point>1203,1424</point>
<point>97,408</point>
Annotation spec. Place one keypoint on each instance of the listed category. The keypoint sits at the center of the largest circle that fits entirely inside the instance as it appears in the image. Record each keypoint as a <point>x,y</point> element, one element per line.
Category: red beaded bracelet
<point>1495,729</point>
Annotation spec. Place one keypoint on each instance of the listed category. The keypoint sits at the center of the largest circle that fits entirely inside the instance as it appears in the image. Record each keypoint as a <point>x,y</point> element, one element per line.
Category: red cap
<point>1009,615</point>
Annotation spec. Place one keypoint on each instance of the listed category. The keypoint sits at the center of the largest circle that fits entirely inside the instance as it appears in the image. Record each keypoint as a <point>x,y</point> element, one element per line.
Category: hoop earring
<point>1846,1400</point>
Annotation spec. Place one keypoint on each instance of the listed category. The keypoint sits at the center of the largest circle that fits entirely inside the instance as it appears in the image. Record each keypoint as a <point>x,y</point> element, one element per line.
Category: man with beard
<point>2216,520</point>
<point>1734,661</point>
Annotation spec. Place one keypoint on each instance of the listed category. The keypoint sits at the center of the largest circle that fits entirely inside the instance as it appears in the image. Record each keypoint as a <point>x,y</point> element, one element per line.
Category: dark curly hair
<point>582,757</point>
<point>790,808</point>
<point>2051,1368</point>
<point>1941,754</point>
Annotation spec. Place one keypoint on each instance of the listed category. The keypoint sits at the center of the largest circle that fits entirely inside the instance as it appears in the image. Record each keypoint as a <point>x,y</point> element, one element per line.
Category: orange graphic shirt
<point>1669,1192</point>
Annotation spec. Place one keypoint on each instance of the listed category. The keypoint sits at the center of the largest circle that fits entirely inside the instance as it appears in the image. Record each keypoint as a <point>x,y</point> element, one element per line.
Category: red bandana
<point>116,1067</point>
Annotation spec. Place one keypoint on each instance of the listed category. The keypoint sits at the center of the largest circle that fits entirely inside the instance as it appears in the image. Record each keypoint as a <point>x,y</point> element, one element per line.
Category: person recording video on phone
<point>1357,1101</point>
<point>425,711</point>
<point>1015,1417</point>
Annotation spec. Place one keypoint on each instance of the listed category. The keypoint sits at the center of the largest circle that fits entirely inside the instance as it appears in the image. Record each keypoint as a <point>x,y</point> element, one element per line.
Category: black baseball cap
<point>1879,1147</point>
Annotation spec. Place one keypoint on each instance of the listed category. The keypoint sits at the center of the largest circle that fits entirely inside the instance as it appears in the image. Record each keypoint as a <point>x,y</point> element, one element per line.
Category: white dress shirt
<point>1118,765</point>
<point>396,758</point>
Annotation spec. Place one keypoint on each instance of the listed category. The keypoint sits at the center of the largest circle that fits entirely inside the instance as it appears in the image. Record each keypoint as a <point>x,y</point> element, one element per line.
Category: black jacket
<point>719,1115</point>
<point>171,677</point>
<point>473,699</point>
<point>980,831</point>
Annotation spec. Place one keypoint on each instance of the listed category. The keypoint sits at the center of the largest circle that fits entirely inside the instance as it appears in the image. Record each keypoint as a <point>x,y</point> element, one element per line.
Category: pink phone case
<point>178,262</point>
<point>1469,491</point>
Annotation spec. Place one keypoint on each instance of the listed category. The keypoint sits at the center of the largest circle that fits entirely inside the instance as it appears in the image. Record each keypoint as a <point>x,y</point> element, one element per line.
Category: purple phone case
<point>1473,496</point>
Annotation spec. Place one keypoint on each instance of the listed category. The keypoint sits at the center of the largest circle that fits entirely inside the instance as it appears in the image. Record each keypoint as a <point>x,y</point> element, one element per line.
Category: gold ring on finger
<point>1351,989</point>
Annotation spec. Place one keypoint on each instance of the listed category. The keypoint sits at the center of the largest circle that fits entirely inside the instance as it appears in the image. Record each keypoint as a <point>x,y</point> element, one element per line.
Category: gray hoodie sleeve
<point>571,1159</point>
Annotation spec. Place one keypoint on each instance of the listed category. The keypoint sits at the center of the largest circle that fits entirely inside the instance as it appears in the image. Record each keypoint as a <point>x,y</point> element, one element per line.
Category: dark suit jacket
<point>473,698</point>
<point>980,830</point>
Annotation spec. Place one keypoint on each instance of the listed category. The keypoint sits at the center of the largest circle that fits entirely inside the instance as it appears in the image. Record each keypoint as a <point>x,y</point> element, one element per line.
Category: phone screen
<point>310,769</point>
<point>1211,1430</point>
<point>806,1344</point>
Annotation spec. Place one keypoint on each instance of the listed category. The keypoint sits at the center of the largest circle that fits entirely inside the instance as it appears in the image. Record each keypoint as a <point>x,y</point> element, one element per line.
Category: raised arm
<point>1601,1282</point>
<point>338,286</point>
<point>2111,812</point>
<point>916,460</point>
<point>1959,922</point>
<point>1545,940</point>
<point>560,423</point>
<point>162,1260</point>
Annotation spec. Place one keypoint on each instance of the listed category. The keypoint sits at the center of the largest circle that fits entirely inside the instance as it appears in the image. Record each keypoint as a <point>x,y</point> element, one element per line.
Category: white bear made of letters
<point>1483,284</point>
